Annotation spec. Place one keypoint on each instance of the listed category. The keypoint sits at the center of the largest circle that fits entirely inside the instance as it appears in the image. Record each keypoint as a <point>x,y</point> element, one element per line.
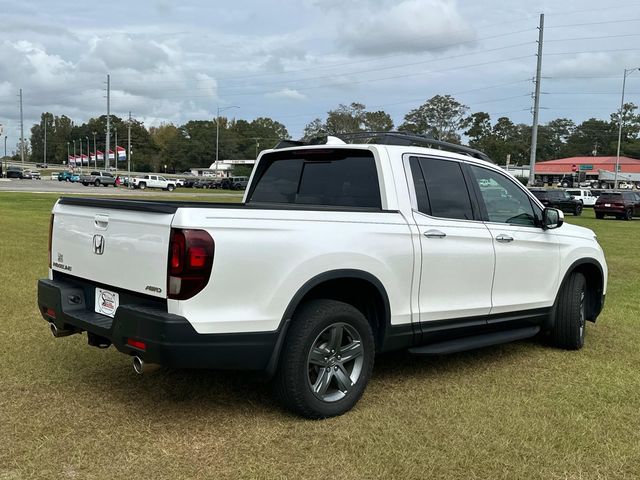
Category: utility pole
<point>106,153</point>
<point>45,140</point>
<point>95,153</point>
<point>536,106</point>
<point>627,72</point>
<point>129,152</point>
<point>21,131</point>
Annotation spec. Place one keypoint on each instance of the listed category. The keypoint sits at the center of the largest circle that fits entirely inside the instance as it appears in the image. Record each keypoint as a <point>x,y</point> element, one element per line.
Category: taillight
<point>190,262</point>
<point>50,237</point>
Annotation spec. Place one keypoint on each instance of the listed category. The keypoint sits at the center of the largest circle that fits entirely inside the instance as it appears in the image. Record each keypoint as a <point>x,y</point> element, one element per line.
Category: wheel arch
<point>594,275</point>
<point>358,288</point>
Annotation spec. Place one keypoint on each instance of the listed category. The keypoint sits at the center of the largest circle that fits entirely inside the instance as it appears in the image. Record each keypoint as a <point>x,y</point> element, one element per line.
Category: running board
<point>476,341</point>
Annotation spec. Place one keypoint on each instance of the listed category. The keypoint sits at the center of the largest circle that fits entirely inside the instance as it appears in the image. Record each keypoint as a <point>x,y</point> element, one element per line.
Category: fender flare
<point>309,285</point>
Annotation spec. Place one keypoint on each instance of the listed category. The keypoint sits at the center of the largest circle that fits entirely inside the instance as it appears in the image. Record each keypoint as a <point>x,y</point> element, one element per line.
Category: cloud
<point>408,26</point>
<point>287,93</point>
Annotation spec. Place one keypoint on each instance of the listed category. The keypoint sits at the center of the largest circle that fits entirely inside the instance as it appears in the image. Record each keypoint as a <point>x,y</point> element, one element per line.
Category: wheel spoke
<point>322,383</point>
<point>343,379</point>
<point>351,351</point>
<point>318,357</point>
<point>335,340</point>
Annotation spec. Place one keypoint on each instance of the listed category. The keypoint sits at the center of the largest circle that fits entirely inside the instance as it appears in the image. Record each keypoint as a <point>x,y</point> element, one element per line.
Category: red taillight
<point>50,237</point>
<point>190,262</point>
<point>136,344</point>
<point>50,312</point>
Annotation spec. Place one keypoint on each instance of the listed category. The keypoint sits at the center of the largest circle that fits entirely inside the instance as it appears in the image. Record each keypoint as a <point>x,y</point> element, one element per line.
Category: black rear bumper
<point>168,339</point>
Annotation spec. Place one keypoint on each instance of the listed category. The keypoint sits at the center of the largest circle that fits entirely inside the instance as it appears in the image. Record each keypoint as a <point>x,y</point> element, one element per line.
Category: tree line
<point>442,117</point>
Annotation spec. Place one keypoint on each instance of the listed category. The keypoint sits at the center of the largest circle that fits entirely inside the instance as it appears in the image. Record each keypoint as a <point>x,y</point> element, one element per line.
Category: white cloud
<point>407,26</point>
<point>287,93</point>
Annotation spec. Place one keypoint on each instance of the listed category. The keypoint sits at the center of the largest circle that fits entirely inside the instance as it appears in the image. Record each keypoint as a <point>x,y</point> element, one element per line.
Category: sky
<point>293,60</point>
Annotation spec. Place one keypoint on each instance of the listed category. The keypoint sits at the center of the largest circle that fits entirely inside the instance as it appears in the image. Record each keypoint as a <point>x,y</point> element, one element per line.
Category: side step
<point>476,341</point>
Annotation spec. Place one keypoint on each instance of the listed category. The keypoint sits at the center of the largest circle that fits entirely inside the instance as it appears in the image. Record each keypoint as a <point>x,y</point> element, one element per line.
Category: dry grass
<point>522,410</point>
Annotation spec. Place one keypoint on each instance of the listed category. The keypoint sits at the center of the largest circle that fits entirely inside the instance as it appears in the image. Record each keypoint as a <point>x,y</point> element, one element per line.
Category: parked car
<point>189,182</point>
<point>65,176</point>
<point>363,248</point>
<point>42,165</point>
<point>622,205</point>
<point>558,199</point>
<point>234,183</point>
<point>153,181</point>
<point>625,185</point>
<point>98,178</point>
<point>35,174</point>
<point>586,196</point>
<point>54,175</point>
<point>15,172</point>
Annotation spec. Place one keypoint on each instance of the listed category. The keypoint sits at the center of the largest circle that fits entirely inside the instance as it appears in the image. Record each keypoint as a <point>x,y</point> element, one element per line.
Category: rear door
<point>127,248</point>
<point>456,248</point>
<point>527,257</point>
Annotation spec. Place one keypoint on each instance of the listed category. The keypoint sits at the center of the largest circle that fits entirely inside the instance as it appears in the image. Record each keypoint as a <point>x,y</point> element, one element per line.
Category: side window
<point>420,186</point>
<point>505,202</point>
<point>446,190</point>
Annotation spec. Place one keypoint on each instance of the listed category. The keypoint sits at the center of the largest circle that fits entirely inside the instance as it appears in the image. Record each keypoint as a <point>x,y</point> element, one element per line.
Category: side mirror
<point>552,218</point>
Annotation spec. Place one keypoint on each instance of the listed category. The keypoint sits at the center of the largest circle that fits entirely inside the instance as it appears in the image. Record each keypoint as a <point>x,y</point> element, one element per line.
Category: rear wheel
<point>578,211</point>
<point>628,215</point>
<point>170,187</point>
<point>327,359</point>
<point>570,316</point>
<point>97,183</point>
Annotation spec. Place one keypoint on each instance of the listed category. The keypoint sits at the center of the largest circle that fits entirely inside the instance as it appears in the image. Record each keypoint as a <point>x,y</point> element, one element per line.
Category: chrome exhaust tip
<point>138,365</point>
<point>58,332</point>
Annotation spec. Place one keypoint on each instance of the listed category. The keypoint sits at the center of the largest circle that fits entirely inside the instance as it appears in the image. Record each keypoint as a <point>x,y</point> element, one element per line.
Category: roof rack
<point>391,138</point>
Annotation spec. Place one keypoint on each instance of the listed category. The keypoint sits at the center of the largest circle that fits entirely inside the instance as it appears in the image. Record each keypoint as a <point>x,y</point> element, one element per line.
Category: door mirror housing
<point>552,218</point>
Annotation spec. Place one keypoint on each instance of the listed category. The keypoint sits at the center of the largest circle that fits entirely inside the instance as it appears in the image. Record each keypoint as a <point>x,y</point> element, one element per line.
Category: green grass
<point>522,410</point>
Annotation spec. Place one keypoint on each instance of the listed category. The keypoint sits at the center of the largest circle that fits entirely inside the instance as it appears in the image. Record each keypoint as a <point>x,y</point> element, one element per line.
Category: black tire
<point>578,211</point>
<point>296,372</point>
<point>570,320</point>
<point>628,215</point>
<point>170,187</point>
<point>142,185</point>
<point>96,183</point>
<point>85,184</point>
<point>599,215</point>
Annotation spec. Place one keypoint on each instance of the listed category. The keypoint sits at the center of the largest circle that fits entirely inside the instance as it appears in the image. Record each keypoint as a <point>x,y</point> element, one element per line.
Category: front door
<point>527,257</point>
<point>456,248</point>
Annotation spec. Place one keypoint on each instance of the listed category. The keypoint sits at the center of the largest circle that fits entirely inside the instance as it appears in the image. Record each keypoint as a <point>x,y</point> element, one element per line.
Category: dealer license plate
<point>607,204</point>
<point>106,302</point>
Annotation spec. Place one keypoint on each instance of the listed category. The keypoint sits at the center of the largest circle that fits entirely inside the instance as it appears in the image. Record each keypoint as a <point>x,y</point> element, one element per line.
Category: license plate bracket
<point>106,302</point>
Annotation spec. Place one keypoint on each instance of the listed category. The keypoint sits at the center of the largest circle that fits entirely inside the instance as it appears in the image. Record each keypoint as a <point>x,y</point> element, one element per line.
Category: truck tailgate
<point>99,240</point>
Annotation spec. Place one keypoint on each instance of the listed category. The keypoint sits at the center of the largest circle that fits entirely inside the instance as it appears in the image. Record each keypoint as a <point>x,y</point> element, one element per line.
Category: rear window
<point>539,194</point>
<point>344,178</point>
<point>614,197</point>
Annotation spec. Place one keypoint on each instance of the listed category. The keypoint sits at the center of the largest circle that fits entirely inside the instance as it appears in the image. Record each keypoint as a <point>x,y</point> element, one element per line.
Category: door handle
<point>504,238</point>
<point>434,234</point>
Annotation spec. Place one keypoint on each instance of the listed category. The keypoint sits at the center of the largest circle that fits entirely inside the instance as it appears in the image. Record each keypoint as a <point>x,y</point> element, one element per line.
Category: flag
<point>111,155</point>
<point>122,153</point>
<point>100,155</point>
<point>93,157</point>
<point>71,160</point>
<point>84,159</point>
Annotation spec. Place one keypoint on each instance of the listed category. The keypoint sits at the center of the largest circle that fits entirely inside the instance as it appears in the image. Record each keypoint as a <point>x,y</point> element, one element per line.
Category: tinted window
<point>420,186</point>
<point>447,191</point>
<point>539,194</point>
<point>345,178</point>
<point>610,197</point>
<point>575,193</point>
<point>504,201</point>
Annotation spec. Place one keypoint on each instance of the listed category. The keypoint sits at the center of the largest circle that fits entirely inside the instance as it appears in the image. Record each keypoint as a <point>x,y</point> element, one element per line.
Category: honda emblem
<point>98,244</point>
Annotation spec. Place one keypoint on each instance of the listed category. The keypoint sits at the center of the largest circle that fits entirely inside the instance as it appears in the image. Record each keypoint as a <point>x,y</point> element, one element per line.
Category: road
<point>53,186</point>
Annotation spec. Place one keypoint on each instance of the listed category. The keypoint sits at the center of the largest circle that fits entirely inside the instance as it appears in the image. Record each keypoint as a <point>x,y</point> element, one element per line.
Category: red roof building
<point>589,165</point>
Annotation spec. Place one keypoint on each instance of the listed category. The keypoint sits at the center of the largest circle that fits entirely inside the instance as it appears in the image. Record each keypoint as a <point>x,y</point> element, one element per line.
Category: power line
<point>595,23</point>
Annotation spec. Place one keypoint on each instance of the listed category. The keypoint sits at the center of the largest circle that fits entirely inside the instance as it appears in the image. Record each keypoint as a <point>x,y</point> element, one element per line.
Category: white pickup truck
<point>338,252</point>
<point>153,181</point>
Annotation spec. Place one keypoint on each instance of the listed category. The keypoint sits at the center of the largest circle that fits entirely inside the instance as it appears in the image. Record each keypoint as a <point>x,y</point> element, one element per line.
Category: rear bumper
<point>168,339</point>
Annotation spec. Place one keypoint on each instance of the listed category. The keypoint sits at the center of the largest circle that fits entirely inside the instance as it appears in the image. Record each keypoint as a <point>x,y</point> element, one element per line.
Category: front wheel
<point>97,183</point>
<point>142,186</point>
<point>628,215</point>
<point>570,315</point>
<point>578,211</point>
<point>327,359</point>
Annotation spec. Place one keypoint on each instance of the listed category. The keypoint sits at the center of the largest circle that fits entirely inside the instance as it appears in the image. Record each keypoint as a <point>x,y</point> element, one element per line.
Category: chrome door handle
<point>434,234</point>
<point>504,238</point>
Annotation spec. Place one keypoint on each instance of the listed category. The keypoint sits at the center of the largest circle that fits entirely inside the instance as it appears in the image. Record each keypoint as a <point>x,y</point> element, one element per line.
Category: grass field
<point>522,410</point>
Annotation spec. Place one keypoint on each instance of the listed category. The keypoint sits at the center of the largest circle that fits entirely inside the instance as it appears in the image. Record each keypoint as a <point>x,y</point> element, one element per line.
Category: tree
<point>589,134</point>
<point>479,132</point>
<point>552,138</point>
<point>379,121</point>
<point>345,119</point>
<point>314,129</point>
<point>441,117</point>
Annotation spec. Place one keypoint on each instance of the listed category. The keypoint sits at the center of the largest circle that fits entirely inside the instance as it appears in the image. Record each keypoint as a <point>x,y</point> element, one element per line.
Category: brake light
<point>190,262</point>
<point>50,237</point>
<point>136,344</point>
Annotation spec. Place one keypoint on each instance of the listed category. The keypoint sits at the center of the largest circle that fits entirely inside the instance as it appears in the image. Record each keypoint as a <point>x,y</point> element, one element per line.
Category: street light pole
<point>74,153</point>
<point>88,153</point>
<point>44,160</point>
<point>95,154</point>
<point>80,154</point>
<point>218,130</point>
<point>68,154</point>
<point>627,72</point>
